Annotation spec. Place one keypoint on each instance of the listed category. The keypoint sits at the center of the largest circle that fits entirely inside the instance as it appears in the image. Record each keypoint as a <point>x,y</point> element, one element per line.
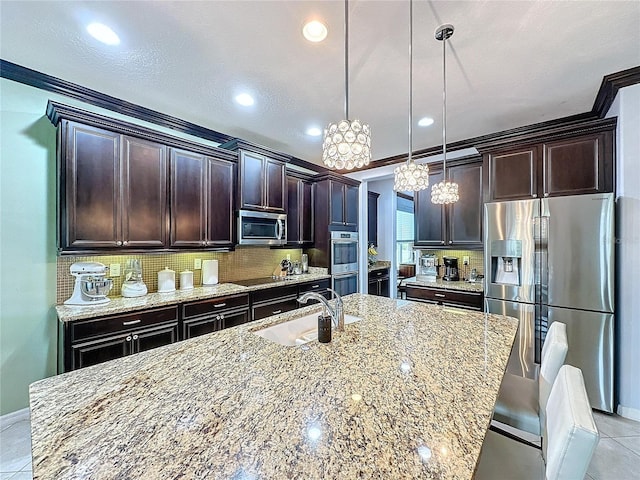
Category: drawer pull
<point>276,312</point>
<point>315,286</point>
<point>441,295</point>
<point>128,339</point>
<point>220,305</point>
<point>132,322</point>
<point>135,337</point>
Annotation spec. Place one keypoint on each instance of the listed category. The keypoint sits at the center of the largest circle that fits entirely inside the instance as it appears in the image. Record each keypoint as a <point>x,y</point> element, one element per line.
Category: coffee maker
<point>450,269</point>
<point>92,286</point>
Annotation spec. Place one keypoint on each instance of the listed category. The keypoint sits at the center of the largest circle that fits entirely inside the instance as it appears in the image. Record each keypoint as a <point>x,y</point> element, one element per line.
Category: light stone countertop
<point>152,300</point>
<point>407,392</point>
<point>379,265</point>
<point>439,283</point>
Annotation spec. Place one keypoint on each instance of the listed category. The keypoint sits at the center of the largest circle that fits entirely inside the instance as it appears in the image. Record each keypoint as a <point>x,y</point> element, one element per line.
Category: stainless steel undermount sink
<point>297,331</point>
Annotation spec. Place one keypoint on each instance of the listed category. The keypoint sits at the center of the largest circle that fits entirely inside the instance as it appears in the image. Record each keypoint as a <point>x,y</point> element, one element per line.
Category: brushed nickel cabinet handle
<point>118,243</point>
<point>315,286</point>
<point>125,242</point>
<point>128,339</point>
<point>135,337</point>
<point>276,312</point>
<point>220,305</point>
<point>440,295</point>
<point>131,322</point>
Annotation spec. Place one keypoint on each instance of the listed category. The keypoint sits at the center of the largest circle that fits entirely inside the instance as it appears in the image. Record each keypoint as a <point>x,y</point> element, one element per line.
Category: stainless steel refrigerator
<point>552,260</point>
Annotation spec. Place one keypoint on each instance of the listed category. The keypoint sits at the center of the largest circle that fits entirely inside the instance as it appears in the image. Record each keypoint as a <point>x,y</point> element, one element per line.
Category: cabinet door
<point>351,205</point>
<point>464,218</point>
<point>144,193</point>
<point>201,326</point>
<point>90,214</point>
<point>274,308</point>
<point>188,221</point>
<point>514,174</point>
<point>372,218</point>
<point>220,214</point>
<point>373,285</point>
<point>336,203</point>
<point>234,319</point>
<point>428,217</point>
<point>275,185</point>
<point>293,210</point>
<point>578,166</point>
<point>98,351</point>
<point>252,181</point>
<point>158,337</point>
<point>306,212</point>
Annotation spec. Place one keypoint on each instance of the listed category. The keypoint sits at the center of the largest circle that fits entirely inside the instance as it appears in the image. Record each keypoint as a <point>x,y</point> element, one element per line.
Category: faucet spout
<point>337,313</point>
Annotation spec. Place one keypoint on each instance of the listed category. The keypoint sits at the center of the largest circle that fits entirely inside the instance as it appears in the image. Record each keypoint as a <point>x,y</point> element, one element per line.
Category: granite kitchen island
<point>407,392</point>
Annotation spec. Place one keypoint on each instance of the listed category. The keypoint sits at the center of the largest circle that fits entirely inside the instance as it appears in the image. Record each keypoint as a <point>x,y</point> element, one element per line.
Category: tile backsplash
<point>476,260</point>
<point>241,264</point>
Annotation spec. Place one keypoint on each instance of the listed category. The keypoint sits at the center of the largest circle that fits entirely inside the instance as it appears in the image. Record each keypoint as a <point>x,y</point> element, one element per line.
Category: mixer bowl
<point>96,287</point>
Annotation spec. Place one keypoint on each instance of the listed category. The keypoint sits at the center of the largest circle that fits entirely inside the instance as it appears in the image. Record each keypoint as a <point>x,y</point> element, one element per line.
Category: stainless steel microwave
<point>261,228</point>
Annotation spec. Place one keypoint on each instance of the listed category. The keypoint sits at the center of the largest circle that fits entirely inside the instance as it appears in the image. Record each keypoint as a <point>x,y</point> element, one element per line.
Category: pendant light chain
<point>409,176</point>
<point>346,59</point>
<point>444,107</point>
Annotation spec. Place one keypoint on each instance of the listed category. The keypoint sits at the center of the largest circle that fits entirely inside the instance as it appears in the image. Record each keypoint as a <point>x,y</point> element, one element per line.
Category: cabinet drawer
<point>196,309</point>
<point>378,274</point>
<point>268,309</point>
<point>120,323</point>
<point>319,286</point>
<point>446,297</point>
<point>269,294</point>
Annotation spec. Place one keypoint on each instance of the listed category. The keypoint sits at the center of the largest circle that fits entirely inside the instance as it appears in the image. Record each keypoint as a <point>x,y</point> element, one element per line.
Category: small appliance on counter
<point>133,286</point>
<point>92,286</point>
<point>186,280</point>
<point>427,268</point>
<point>209,272</point>
<point>451,272</point>
<point>166,281</point>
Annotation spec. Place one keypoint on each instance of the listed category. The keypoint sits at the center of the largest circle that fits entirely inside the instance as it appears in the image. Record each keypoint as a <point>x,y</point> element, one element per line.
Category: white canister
<point>186,280</point>
<point>166,280</point>
<point>209,272</point>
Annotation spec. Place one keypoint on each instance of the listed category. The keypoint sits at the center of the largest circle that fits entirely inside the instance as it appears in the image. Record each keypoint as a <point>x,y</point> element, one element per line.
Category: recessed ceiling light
<point>245,99</point>
<point>425,121</point>
<point>103,33</point>
<point>314,31</point>
<point>314,131</point>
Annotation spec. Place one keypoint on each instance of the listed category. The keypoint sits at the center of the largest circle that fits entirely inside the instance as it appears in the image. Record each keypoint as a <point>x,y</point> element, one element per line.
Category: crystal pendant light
<point>347,143</point>
<point>411,177</point>
<point>445,191</point>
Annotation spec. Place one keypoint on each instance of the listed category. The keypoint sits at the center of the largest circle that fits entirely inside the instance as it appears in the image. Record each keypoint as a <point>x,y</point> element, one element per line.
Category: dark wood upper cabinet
<point>574,165</point>
<point>262,183</point>
<point>201,200</point>
<point>343,205</point>
<point>372,217</point>
<point>429,227</point>
<point>458,225</point>
<point>114,190</point>
<point>299,210</point>
<point>464,218</point>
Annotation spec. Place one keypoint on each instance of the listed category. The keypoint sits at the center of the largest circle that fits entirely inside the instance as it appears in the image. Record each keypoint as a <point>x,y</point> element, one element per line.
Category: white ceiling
<point>510,63</point>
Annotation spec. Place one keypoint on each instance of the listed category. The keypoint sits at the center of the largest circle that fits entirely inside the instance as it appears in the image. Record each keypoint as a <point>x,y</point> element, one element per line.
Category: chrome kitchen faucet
<point>337,313</point>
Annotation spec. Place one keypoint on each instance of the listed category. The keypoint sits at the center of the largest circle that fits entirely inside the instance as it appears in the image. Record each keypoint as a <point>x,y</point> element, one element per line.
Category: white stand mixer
<point>92,286</point>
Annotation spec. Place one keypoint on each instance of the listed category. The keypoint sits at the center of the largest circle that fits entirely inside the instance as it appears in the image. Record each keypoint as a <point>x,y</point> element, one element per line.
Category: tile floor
<point>617,456</point>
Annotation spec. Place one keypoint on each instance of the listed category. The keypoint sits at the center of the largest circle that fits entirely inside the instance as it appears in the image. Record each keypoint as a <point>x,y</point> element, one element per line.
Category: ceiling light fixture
<point>314,31</point>
<point>314,131</point>
<point>445,191</point>
<point>103,34</point>
<point>410,176</point>
<point>425,122</point>
<point>245,99</point>
<point>347,143</point>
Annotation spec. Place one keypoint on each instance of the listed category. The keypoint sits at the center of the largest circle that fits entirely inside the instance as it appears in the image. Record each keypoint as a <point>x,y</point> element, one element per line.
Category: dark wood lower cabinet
<point>213,323</point>
<point>379,282</point>
<point>448,298</point>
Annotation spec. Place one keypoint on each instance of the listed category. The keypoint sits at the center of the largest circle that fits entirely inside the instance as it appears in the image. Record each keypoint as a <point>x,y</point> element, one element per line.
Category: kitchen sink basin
<point>297,331</point>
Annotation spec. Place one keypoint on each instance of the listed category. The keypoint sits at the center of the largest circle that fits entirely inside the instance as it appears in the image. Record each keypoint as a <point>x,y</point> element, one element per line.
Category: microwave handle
<point>279,229</point>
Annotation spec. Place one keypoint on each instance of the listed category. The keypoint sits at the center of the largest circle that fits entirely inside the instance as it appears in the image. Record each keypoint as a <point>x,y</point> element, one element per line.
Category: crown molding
<point>609,89</point>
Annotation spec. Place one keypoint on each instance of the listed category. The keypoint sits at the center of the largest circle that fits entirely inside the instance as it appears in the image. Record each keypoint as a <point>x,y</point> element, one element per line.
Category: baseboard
<point>14,417</point>
<point>630,413</point>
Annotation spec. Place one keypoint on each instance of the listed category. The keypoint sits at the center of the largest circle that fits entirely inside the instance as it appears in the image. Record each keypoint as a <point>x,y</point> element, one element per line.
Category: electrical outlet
<point>289,256</point>
<point>114,270</point>
<point>465,260</point>
<point>197,264</point>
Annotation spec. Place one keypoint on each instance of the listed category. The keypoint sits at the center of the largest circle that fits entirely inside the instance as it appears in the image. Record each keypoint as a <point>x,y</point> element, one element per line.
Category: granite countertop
<point>439,283</point>
<point>152,300</point>
<point>379,265</point>
<point>404,393</point>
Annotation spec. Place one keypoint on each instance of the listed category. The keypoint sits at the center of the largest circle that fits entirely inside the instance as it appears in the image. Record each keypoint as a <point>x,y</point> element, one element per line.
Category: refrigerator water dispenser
<point>506,262</point>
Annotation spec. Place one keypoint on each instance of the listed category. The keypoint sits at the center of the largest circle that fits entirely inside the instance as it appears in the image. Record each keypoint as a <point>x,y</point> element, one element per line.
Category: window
<point>404,229</point>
